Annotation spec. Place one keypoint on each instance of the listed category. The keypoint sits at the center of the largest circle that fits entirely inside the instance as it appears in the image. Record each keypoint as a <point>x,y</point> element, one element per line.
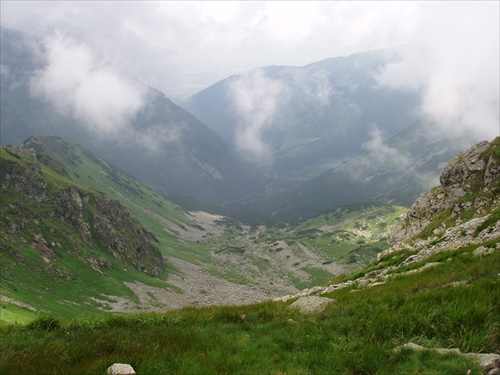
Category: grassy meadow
<point>355,335</point>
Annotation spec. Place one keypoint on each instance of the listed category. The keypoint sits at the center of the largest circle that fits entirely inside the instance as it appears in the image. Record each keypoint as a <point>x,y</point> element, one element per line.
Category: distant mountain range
<point>309,118</point>
<point>275,143</point>
<point>333,133</point>
<point>164,145</point>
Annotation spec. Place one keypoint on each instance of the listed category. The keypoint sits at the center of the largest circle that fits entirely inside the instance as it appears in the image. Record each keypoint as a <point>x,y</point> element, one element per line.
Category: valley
<point>398,314</point>
<point>209,258</point>
<point>283,220</point>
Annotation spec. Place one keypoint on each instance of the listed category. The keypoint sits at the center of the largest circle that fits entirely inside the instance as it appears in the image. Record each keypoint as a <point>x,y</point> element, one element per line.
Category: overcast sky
<point>182,47</point>
<point>97,51</point>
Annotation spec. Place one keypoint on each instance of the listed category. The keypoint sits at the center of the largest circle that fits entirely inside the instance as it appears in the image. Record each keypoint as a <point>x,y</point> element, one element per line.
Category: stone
<point>490,362</point>
<point>481,250</point>
<point>311,304</point>
<point>471,172</point>
<point>120,369</point>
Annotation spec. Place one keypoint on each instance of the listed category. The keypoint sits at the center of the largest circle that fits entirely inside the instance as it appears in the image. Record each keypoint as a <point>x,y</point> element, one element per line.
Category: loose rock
<point>120,369</point>
<point>312,304</point>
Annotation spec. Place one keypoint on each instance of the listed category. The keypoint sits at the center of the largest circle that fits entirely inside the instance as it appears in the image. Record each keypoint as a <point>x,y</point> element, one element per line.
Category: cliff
<point>463,210</point>
<point>41,207</point>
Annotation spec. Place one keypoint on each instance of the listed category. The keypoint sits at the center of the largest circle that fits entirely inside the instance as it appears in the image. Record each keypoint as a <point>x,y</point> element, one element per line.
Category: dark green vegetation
<point>355,335</point>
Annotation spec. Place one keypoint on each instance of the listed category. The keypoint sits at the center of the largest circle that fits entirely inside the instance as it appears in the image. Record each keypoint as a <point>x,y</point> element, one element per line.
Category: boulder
<point>312,304</point>
<point>120,369</point>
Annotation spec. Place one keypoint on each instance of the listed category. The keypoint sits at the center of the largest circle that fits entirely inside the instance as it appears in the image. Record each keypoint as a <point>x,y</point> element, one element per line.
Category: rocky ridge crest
<point>31,198</point>
<point>449,215</point>
<point>463,210</point>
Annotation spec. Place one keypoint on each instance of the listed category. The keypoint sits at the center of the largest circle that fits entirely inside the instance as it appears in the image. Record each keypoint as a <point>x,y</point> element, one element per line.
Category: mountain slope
<point>396,170</point>
<point>313,116</point>
<point>428,306</point>
<point>160,143</point>
<point>64,242</point>
<point>461,216</point>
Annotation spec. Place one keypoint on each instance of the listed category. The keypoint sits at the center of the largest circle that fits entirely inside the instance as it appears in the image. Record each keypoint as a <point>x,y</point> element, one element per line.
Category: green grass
<point>11,313</point>
<point>357,230</point>
<point>355,335</point>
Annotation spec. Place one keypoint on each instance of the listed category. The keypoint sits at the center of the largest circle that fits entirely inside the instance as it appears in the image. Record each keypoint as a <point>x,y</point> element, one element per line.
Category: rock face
<point>37,191</point>
<point>463,210</point>
<point>469,185</point>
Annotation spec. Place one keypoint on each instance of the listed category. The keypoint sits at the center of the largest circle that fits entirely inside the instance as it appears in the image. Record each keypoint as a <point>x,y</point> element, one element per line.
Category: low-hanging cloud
<point>383,158</point>
<point>155,137</point>
<point>75,83</point>
<point>256,99</point>
<point>381,154</point>
<point>314,85</point>
<point>456,68</point>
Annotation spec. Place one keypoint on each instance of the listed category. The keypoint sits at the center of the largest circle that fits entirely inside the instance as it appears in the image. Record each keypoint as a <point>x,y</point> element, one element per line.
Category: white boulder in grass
<point>120,369</point>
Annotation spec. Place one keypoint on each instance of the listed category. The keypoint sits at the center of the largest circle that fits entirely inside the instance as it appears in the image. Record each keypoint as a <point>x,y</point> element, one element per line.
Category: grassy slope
<point>157,213</point>
<point>69,296</point>
<point>99,175</point>
<point>64,286</point>
<point>353,336</point>
<point>352,234</point>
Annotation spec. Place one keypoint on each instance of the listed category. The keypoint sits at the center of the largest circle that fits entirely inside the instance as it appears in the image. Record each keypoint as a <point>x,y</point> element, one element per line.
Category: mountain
<point>427,305</point>
<point>207,257</point>
<point>160,143</point>
<point>332,133</point>
<point>311,117</point>
<point>60,237</point>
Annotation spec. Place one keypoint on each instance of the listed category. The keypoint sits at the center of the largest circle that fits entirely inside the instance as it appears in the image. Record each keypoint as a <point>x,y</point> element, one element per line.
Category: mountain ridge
<point>99,221</point>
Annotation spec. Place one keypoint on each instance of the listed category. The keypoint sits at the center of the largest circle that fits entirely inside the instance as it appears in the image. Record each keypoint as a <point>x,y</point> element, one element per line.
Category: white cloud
<point>181,47</point>
<point>178,45</point>
<point>155,137</point>
<point>381,154</point>
<point>255,98</point>
<point>76,84</point>
<point>315,86</point>
<point>455,63</point>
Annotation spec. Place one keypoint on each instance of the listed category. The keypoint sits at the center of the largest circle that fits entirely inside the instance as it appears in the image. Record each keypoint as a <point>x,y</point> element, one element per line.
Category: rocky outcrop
<point>37,193</point>
<point>469,189</point>
<point>127,240</point>
<point>462,211</point>
<point>490,362</point>
<point>311,304</point>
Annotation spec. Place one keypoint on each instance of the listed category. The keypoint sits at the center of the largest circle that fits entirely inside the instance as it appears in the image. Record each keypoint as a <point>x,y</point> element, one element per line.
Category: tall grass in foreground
<point>354,336</point>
